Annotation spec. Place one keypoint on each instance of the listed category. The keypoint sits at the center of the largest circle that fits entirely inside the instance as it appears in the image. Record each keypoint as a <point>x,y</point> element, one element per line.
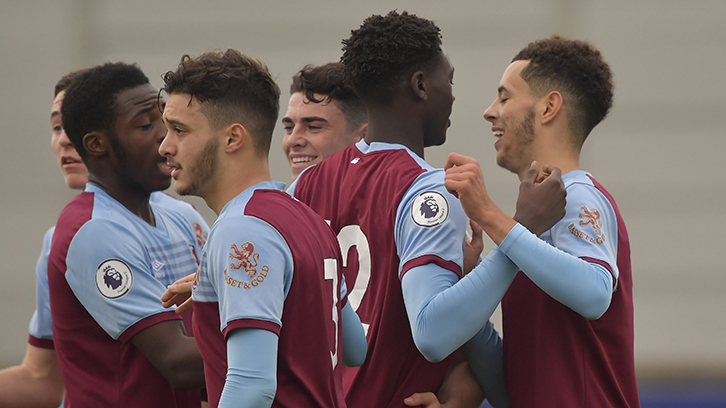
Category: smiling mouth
<point>69,160</point>
<point>302,160</point>
<point>498,133</point>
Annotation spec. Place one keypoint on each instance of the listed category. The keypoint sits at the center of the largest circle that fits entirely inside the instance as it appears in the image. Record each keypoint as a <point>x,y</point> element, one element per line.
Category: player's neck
<point>236,179</point>
<point>133,198</point>
<point>566,162</point>
<point>388,130</point>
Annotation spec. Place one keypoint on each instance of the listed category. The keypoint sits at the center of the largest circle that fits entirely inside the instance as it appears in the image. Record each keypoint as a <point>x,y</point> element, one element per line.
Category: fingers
<point>532,173</point>
<point>476,230</point>
<point>177,291</point>
<point>184,307</point>
<point>477,236</point>
<point>425,399</point>
<point>170,300</point>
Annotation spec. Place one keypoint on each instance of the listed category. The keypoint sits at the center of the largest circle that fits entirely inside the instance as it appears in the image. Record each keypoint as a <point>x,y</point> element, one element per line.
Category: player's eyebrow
<point>501,90</point>
<point>171,121</point>
<point>145,109</point>
<point>307,119</point>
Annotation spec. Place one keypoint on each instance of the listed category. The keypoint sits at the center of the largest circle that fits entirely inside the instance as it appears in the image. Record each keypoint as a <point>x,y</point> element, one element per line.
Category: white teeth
<point>299,160</point>
<point>499,133</point>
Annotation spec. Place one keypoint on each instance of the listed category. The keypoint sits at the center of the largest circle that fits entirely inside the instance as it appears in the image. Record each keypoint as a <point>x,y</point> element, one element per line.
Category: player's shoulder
<point>173,207</point>
<point>48,237</point>
<point>582,189</point>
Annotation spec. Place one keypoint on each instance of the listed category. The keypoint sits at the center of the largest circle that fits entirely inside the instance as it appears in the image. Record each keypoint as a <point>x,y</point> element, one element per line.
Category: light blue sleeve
<point>251,369</point>
<point>445,312</point>
<point>430,225</point>
<point>252,270</point>
<point>41,324</point>
<point>110,273</point>
<point>355,345</point>
<point>582,286</point>
<point>484,354</point>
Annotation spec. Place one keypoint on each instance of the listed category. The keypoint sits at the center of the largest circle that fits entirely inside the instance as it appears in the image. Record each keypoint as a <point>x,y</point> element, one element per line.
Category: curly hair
<point>331,81</point>
<point>90,101</point>
<point>231,88</point>
<point>384,50</point>
<point>576,69</point>
<point>65,81</point>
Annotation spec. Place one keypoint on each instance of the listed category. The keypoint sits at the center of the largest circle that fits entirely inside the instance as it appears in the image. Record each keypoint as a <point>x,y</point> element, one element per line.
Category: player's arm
<point>458,390</point>
<point>175,355</point>
<point>252,369</point>
<point>355,345</point>
<point>484,358</point>
<point>37,382</point>
<point>137,315</point>
<point>444,311</point>
<point>252,342</point>
<point>585,287</point>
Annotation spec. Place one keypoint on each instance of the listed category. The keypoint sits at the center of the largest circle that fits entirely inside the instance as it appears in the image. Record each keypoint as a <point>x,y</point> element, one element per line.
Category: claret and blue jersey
<point>272,264</point>
<point>107,269</point>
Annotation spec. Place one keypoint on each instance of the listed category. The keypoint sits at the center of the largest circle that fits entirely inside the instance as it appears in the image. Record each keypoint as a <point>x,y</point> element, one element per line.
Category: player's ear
<point>361,132</point>
<point>552,104</point>
<point>97,143</point>
<point>419,85</point>
<point>235,137</point>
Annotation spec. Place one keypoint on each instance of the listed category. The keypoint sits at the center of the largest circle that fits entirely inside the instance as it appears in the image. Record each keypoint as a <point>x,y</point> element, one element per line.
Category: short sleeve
<point>110,272</point>
<point>430,225</point>
<point>589,229</point>
<point>251,267</point>
<point>41,324</point>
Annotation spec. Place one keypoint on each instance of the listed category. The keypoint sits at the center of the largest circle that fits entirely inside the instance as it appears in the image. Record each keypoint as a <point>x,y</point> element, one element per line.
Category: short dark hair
<point>230,87</point>
<point>384,50</point>
<point>90,101</point>
<point>65,81</point>
<point>578,71</point>
<point>331,81</point>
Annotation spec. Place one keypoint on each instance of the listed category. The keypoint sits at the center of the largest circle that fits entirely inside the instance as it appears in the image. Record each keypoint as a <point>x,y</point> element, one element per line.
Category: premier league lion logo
<point>429,209</point>
<point>114,278</point>
<point>111,277</point>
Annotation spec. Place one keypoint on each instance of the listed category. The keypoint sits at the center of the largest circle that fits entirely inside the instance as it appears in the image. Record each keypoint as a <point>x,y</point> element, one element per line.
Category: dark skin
<point>407,118</point>
<point>417,116</point>
<point>129,171</point>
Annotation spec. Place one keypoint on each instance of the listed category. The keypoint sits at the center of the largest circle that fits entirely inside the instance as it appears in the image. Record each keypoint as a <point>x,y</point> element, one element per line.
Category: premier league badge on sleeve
<point>114,278</point>
<point>430,209</point>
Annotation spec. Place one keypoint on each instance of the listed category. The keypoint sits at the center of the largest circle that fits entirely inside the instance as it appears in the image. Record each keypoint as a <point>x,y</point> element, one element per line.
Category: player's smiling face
<point>73,169</point>
<point>314,131</point>
<point>512,118</point>
<point>191,146</point>
<point>139,131</point>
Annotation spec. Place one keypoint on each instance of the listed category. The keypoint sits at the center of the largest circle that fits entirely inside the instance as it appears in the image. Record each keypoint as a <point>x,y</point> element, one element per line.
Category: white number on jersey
<point>331,272</point>
<point>349,236</point>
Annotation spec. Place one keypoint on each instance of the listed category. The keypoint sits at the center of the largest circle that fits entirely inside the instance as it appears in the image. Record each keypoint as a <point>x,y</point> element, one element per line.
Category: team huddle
<point>357,286</point>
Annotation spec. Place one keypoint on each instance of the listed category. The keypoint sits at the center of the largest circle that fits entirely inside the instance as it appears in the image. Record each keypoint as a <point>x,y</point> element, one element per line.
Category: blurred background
<point>660,152</point>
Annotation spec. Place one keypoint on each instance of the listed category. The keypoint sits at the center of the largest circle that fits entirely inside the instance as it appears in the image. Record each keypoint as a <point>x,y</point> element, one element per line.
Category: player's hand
<point>179,291</point>
<point>423,399</point>
<point>465,181</point>
<point>473,247</point>
<point>542,198</point>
